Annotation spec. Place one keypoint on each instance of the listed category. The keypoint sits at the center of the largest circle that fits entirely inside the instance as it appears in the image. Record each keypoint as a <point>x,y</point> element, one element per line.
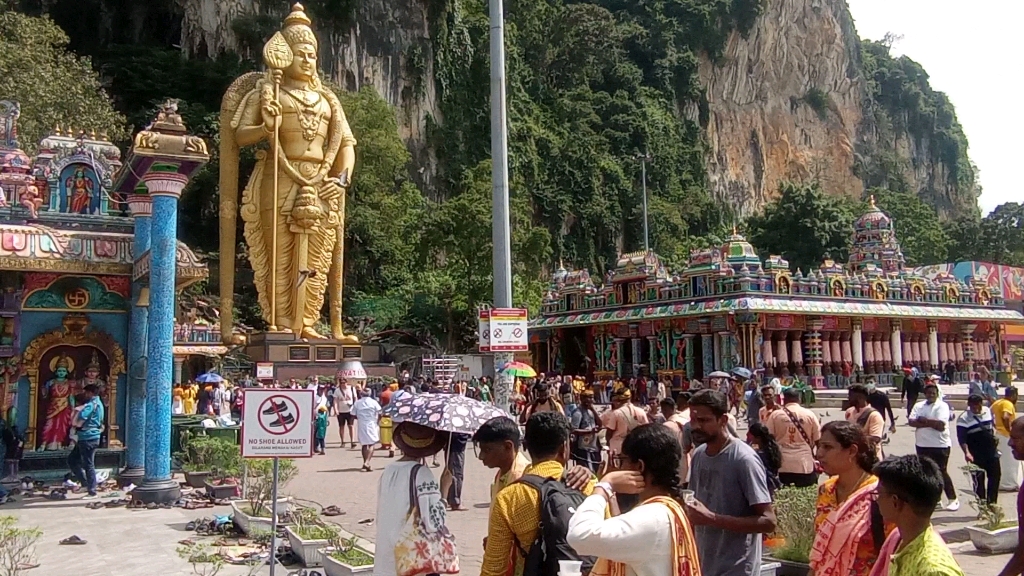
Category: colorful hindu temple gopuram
<point>830,326</point>
<point>89,271</point>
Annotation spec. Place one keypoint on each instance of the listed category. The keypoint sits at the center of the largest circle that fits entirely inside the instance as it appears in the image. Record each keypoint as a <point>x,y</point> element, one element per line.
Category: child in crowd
<point>320,426</point>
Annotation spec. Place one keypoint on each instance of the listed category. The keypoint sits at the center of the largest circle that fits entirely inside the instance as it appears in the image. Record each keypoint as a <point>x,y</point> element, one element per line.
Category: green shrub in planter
<point>795,509</point>
<point>350,554</point>
<point>259,482</point>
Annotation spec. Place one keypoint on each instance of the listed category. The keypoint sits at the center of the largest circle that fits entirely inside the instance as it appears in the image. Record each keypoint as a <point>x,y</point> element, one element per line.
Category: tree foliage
<point>590,86</point>
<point>804,225</point>
<point>996,238</point>
<point>54,86</point>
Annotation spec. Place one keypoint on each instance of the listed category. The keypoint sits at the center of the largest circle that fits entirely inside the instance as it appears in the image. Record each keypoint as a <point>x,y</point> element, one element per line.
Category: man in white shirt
<point>930,419</point>
<point>344,398</point>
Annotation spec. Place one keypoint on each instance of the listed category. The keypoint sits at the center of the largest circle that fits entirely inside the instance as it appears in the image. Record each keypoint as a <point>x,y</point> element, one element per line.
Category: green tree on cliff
<point>53,85</point>
<point>804,225</point>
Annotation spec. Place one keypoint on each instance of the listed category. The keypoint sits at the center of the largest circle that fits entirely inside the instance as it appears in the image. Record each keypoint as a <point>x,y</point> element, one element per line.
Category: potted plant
<point>993,533</point>
<point>794,512</point>
<point>345,558</point>
<point>196,458</point>
<point>253,511</point>
<point>309,535</point>
<point>227,466</point>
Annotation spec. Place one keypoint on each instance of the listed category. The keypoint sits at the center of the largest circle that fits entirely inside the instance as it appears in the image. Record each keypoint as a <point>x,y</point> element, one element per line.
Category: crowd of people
<point>660,485</point>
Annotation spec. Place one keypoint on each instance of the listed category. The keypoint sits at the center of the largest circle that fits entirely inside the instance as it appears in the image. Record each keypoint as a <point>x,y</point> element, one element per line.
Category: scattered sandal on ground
<point>332,510</point>
<point>73,541</point>
<point>94,505</point>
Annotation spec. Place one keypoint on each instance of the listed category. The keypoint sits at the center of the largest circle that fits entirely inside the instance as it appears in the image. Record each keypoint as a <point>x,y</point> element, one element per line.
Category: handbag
<point>420,551</point>
<point>817,465</point>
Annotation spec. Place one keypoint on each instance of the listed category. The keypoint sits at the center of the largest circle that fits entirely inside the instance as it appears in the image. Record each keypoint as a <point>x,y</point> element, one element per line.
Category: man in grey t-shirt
<point>733,506</point>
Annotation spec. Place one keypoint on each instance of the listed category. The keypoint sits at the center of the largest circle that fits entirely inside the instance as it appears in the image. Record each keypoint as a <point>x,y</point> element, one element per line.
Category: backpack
<point>558,503</point>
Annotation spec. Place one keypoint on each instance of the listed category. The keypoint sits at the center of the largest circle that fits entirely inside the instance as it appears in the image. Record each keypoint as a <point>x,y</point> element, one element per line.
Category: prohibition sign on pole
<point>277,423</point>
<point>278,415</point>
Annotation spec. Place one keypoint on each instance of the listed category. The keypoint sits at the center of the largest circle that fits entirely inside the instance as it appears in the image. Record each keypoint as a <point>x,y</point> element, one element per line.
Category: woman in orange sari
<point>848,526</point>
<point>654,538</point>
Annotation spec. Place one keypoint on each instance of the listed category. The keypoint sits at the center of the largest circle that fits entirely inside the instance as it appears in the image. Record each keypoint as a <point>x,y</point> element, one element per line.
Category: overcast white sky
<point>973,51</point>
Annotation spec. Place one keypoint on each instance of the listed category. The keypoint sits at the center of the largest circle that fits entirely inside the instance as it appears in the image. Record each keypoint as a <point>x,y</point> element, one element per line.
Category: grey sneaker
<point>90,496</point>
<point>953,506</point>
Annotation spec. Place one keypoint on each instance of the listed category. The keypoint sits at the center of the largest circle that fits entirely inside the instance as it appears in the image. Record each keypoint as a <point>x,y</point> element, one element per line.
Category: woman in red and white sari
<point>849,527</point>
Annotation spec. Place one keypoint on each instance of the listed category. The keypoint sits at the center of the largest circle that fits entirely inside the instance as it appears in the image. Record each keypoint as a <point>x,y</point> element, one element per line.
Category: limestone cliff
<point>791,99</point>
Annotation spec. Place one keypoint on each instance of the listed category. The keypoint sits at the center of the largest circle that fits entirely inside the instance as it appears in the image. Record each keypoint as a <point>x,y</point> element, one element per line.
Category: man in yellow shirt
<point>1004,412</point>
<point>515,511</point>
<point>496,444</point>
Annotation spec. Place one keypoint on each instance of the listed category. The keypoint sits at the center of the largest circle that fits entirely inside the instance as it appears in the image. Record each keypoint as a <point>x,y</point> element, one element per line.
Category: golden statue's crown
<point>297,27</point>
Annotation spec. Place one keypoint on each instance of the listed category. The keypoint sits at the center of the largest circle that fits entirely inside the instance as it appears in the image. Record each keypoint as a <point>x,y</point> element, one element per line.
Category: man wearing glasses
<point>909,488</point>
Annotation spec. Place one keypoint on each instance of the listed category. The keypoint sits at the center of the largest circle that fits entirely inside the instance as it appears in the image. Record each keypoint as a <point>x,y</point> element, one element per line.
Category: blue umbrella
<point>742,372</point>
<point>209,377</point>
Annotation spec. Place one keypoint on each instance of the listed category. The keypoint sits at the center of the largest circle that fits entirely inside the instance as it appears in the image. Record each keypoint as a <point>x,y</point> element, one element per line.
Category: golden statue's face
<point>303,62</point>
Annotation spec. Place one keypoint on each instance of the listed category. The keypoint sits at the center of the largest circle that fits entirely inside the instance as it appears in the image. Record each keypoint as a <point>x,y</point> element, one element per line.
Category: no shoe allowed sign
<point>277,423</point>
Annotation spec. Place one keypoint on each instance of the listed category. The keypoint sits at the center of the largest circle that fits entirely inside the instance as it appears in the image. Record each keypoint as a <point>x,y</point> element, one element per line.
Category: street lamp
<point>500,233</point>
<point>644,159</point>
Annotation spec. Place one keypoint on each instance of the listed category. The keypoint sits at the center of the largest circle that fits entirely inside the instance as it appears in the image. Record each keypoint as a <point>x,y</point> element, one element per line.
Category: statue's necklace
<point>309,116</point>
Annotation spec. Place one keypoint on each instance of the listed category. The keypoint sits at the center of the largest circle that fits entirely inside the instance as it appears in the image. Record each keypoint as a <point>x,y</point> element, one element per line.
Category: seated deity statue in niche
<point>31,200</point>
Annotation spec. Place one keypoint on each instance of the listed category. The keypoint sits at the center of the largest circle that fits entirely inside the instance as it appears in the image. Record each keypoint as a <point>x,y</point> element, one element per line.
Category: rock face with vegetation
<point>799,97</point>
<point>789,92</point>
<point>750,111</point>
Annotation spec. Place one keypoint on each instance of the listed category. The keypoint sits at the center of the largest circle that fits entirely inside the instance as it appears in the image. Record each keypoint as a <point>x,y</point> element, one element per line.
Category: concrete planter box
<point>308,551</point>
<point>221,491</point>
<point>248,523</point>
<point>334,567</point>
<point>769,568</point>
<point>993,541</point>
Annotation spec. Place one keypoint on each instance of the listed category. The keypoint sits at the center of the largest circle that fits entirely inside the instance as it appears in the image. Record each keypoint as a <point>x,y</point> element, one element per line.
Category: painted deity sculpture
<point>79,189</point>
<point>59,395</point>
<point>294,267</point>
<point>31,199</point>
<point>92,376</point>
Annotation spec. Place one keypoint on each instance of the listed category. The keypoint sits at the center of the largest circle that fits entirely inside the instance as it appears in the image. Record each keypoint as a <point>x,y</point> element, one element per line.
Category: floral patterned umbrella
<point>445,412</point>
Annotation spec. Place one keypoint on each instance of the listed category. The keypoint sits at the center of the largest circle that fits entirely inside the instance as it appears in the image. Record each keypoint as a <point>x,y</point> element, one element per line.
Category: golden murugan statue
<point>294,204</point>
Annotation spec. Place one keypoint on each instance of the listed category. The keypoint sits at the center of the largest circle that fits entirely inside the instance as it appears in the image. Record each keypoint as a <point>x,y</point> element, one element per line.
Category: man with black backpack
<point>530,518</point>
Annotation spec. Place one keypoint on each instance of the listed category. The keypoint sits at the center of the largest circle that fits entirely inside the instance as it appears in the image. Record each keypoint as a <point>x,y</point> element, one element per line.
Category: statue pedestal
<point>299,358</point>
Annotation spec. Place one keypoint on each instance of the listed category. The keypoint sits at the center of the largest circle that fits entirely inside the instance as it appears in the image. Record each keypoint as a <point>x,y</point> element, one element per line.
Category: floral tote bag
<point>420,551</point>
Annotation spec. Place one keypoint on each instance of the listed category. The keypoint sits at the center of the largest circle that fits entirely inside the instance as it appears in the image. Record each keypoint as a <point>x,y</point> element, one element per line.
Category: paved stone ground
<point>142,543</point>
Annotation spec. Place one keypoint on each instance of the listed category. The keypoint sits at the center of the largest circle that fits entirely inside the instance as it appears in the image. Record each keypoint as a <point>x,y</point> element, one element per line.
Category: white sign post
<point>277,423</point>
<point>483,330</point>
<point>508,330</point>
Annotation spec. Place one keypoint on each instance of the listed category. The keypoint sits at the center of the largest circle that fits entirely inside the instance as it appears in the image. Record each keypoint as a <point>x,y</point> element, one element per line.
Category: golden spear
<point>277,55</point>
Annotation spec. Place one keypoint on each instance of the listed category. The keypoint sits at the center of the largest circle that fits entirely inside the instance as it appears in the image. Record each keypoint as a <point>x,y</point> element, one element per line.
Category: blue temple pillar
<point>165,188</point>
<point>141,206</point>
<point>161,160</point>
